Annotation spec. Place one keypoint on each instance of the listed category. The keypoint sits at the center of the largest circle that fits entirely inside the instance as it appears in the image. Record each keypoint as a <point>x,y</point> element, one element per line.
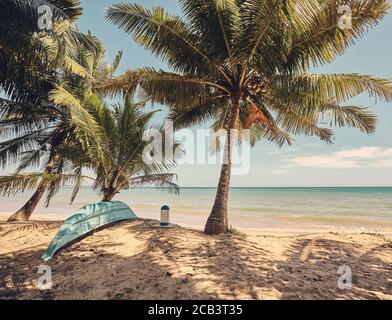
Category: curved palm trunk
<point>218,222</point>
<point>24,213</point>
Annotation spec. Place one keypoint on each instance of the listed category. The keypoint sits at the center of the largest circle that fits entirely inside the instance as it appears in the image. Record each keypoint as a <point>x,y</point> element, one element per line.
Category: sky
<point>354,159</point>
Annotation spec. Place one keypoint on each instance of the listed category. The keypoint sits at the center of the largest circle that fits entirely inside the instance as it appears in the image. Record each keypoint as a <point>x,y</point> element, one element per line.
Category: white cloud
<point>276,151</point>
<point>278,172</point>
<point>366,153</point>
<point>375,157</point>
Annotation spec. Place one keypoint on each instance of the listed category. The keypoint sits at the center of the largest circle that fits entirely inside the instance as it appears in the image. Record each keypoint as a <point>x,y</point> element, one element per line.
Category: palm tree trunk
<point>108,195</point>
<point>24,213</point>
<point>108,198</point>
<point>218,222</point>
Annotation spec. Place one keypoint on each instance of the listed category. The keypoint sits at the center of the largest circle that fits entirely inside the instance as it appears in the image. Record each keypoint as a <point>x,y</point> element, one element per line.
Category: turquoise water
<point>249,207</point>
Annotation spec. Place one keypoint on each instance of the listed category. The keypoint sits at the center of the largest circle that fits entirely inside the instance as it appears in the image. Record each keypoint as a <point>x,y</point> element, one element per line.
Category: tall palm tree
<point>38,134</point>
<point>245,63</point>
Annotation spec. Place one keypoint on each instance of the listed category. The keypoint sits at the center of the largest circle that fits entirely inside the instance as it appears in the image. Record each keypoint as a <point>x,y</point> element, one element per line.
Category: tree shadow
<point>86,270</point>
<point>307,270</point>
<point>318,270</point>
<point>181,263</point>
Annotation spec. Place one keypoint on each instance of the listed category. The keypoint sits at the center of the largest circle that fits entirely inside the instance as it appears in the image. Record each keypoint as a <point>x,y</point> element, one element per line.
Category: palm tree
<point>245,64</point>
<point>30,57</point>
<point>110,142</point>
<point>115,150</point>
<point>35,137</point>
<point>31,61</point>
<point>39,134</point>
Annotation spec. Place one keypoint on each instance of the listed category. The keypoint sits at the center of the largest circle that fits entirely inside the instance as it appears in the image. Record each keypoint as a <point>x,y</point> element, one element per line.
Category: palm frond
<point>202,112</point>
<point>216,21</point>
<point>324,39</point>
<point>116,62</point>
<point>350,116</point>
<point>164,35</point>
<point>162,181</point>
<point>125,84</point>
<point>303,124</point>
<point>10,185</point>
<point>316,89</point>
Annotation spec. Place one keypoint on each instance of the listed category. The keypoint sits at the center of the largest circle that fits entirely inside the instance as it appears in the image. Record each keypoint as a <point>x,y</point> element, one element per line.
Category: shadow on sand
<point>185,264</point>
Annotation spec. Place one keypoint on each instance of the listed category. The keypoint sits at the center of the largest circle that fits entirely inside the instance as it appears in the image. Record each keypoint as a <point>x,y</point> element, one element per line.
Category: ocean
<point>268,208</point>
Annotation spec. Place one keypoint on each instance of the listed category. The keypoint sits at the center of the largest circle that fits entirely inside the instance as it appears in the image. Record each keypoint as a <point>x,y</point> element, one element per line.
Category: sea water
<point>248,207</point>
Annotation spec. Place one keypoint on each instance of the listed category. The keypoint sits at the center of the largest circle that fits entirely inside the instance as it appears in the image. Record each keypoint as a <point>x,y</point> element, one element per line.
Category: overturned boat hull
<point>89,218</point>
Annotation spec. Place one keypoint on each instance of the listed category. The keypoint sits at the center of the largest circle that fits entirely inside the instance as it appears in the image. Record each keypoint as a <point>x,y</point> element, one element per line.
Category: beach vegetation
<point>237,233</point>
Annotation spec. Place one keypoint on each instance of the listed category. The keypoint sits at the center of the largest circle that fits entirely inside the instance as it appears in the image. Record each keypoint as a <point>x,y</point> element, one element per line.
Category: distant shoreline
<point>292,228</point>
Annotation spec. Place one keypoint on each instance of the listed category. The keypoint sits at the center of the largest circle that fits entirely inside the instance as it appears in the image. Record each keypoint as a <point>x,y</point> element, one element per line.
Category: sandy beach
<point>257,132</point>
<point>134,260</point>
